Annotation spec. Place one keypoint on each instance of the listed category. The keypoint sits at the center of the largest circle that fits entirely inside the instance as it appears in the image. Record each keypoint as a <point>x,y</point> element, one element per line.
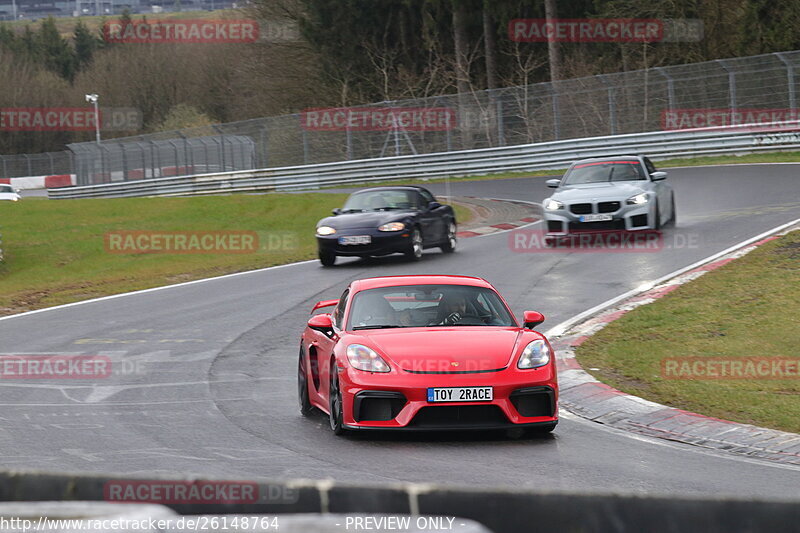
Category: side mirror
<point>553,184</point>
<point>321,323</point>
<point>658,175</point>
<point>531,319</point>
<point>434,205</point>
<point>336,211</point>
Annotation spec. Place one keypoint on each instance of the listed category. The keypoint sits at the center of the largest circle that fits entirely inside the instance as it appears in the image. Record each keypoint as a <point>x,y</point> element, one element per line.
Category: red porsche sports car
<point>426,353</point>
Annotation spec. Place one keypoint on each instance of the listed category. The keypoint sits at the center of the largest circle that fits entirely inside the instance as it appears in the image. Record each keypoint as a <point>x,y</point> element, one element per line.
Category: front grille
<point>534,401</point>
<point>459,417</point>
<point>580,209</point>
<point>639,220</point>
<point>608,207</point>
<point>555,226</point>
<point>606,225</point>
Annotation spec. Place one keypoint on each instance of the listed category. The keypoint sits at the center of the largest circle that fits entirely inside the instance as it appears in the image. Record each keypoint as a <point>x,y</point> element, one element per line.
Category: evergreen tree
<point>85,45</point>
<point>56,53</point>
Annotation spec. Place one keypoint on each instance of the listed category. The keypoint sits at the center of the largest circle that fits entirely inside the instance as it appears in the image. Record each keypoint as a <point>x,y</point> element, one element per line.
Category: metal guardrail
<point>741,139</point>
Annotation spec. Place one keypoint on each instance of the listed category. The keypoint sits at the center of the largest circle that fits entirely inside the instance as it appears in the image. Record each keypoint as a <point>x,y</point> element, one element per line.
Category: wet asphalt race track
<point>204,378</point>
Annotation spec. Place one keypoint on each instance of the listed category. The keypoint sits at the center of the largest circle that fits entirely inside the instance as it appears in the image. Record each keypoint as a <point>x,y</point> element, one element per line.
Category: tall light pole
<point>14,8</point>
<point>92,98</point>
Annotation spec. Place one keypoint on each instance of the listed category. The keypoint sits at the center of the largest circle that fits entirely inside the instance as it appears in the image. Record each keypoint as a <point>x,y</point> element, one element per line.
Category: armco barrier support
<point>501,511</point>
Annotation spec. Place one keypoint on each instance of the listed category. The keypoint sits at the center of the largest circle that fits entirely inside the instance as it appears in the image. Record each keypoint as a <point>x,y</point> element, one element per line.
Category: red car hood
<point>444,350</point>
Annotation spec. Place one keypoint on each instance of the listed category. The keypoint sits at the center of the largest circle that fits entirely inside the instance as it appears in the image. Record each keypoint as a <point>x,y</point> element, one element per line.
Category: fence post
<point>789,80</point>
<point>305,147</point>
<point>501,133</point>
<point>612,103</point>
<point>731,86</point>
<point>5,170</point>
<point>556,112</point>
<point>264,160</point>
<point>124,162</point>
<point>30,169</point>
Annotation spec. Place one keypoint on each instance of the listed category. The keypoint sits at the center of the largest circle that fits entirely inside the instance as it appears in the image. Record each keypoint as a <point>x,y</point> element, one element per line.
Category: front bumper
<point>522,398</point>
<point>626,218</point>
<point>382,243</point>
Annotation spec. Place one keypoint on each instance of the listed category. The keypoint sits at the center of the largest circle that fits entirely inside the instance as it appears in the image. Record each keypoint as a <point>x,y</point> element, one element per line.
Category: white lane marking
<point>563,327</point>
<point>153,289</point>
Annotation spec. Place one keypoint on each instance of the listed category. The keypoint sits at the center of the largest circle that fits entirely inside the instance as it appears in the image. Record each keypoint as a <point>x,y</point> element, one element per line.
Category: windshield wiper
<point>352,210</point>
<point>379,326</point>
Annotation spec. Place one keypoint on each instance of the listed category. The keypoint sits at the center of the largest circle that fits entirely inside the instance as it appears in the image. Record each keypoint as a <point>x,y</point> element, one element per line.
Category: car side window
<point>338,312</point>
<point>650,166</point>
<point>427,197</point>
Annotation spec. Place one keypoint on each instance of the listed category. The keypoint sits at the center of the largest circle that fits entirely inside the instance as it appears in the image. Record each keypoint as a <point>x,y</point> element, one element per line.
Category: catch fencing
<point>662,98</point>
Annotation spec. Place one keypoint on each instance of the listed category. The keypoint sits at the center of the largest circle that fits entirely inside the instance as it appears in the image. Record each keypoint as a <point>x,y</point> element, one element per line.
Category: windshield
<point>428,306</point>
<point>604,171</point>
<point>381,200</point>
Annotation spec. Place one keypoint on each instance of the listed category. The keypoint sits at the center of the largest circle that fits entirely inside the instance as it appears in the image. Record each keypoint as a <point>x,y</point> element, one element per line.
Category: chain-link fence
<point>677,97</point>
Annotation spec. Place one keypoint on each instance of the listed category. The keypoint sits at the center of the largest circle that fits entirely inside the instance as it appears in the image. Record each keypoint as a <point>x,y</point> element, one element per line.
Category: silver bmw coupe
<point>619,193</point>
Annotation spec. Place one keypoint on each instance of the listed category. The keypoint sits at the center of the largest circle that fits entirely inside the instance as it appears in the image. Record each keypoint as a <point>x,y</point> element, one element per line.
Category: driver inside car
<point>452,309</point>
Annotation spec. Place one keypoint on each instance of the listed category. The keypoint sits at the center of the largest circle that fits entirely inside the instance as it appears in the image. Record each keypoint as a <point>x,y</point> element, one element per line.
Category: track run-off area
<point>204,379</point>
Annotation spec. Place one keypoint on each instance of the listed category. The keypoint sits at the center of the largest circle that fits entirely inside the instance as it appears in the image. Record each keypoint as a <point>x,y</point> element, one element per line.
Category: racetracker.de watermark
<point>181,242</point>
<point>723,368</point>
<point>182,31</point>
<point>761,119</point>
<point>69,119</point>
<point>54,366</point>
<point>527,241</point>
<point>196,492</point>
<point>379,119</point>
<point>616,30</point>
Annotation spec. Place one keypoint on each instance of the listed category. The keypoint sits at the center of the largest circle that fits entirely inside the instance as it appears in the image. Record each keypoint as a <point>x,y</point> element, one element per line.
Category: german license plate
<point>595,218</point>
<point>355,239</point>
<point>460,394</point>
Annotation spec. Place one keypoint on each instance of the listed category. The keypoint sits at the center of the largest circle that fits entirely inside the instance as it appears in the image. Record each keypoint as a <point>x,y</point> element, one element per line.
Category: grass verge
<point>55,251</point>
<point>747,308</point>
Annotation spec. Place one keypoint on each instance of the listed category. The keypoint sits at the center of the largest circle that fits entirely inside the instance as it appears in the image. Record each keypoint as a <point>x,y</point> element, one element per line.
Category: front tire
<point>335,408</point>
<point>327,259</point>
<point>673,219</point>
<point>414,251</point>
<point>450,244</point>
<point>657,221</point>
<point>302,387</point>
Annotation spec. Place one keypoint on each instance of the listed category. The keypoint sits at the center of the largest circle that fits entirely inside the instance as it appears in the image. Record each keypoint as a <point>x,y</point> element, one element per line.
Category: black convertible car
<point>386,220</point>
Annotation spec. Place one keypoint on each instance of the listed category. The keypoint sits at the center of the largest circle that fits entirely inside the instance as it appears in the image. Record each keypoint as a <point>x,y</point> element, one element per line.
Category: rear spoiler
<point>324,303</point>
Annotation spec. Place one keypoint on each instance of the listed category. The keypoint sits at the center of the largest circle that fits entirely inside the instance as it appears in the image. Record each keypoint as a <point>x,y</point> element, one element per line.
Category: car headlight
<point>392,226</point>
<point>535,354</point>
<point>364,358</point>
<point>325,230</point>
<point>552,205</point>
<point>639,199</point>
